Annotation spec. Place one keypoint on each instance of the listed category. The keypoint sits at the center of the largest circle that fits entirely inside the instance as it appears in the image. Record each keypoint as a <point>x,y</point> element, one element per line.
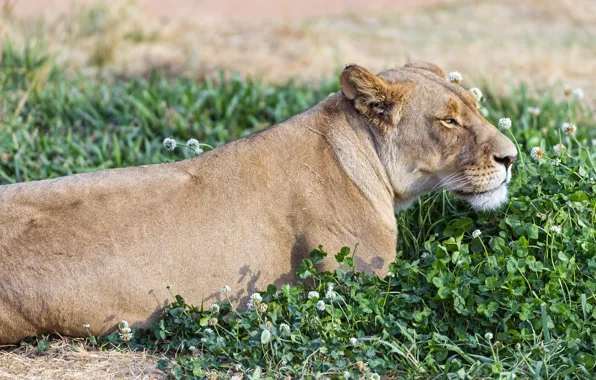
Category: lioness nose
<point>507,160</point>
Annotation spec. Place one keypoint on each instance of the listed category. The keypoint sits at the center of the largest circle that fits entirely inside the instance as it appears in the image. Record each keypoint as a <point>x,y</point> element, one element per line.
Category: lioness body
<point>102,247</point>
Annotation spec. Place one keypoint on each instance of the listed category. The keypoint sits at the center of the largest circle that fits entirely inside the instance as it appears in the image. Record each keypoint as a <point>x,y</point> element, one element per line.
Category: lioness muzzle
<point>102,247</point>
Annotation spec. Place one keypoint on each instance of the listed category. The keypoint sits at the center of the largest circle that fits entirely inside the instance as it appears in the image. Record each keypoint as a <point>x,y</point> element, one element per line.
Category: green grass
<point>55,127</point>
<point>517,300</point>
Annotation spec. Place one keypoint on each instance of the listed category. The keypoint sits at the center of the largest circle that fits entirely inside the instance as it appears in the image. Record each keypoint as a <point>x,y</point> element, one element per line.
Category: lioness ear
<point>380,101</point>
<point>356,80</point>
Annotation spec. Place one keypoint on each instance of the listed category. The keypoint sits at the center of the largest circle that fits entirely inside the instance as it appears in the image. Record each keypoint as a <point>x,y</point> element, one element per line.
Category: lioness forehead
<point>425,78</point>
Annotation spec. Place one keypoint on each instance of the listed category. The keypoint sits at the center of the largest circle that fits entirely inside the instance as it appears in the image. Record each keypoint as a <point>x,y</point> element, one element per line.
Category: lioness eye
<point>449,123</point>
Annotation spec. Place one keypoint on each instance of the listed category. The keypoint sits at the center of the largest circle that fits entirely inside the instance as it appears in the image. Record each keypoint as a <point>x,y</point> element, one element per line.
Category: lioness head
<point>430,135</point>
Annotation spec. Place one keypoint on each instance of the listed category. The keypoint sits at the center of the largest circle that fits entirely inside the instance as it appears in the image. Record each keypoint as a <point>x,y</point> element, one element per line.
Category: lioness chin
<point>102,247</point>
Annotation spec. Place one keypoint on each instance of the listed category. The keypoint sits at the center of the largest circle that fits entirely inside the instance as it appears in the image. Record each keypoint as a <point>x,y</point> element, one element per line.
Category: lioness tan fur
<point>102,247</point>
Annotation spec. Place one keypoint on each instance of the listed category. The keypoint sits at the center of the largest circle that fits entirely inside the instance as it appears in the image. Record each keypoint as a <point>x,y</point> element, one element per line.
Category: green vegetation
<point>518,299</point>
<point>54,126</point>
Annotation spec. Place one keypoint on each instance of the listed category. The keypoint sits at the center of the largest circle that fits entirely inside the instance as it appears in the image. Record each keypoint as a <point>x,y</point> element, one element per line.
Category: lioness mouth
<point>471,194</point>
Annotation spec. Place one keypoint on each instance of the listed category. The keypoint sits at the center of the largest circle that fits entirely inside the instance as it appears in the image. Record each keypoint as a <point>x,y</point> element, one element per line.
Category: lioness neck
<point>326,180</point>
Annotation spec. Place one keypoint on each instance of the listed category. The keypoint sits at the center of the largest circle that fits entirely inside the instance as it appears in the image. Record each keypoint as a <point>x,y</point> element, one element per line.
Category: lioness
<point>101,247</point>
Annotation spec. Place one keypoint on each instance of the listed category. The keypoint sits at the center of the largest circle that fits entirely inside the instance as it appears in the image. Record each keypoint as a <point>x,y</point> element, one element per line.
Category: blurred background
<point>496,43</point>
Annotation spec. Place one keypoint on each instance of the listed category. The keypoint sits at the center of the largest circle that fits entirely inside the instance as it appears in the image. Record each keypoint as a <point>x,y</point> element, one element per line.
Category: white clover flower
<point>390,274</point>
<point>125,337</point>
<point>476,233</point>
<point>215,308</point>
<point>198,151</point>
<point>313,295</point>
<point>122,325</point>
<point>505,123</point>
<point>557,161</point>
<point>226,290</point>
<point>476,93</point>
<point>556,229</point>
<point>125,331</point>
<point>537,153</point>
<point>534,111</point>
<point>193,144</point>
<point>375,376</point>
<point>424,255</point>
<point>169,143</point>
<point>488,336</point>
<point>353,341</point>
<point>284,328</point>
<point>559,148</point>
<point>455,77</point>
<point>192,348</point>
<point>203,340</point>
<point>568,128</point>
<point>255,300</point>
<point>578,94</point>
<point>321,305</point>
<point>484,111</point>
<point>251,305</point>
<point>86,326</point>
<point>330,294</point>
<point>208,331</point>
<point>517,346</point>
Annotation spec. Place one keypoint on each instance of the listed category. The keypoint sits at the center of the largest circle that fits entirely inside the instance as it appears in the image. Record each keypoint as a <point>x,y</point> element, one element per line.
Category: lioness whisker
<point>457,184</point>
<point>447,179</point>
<point>443,180</point>
<point>453,177</point>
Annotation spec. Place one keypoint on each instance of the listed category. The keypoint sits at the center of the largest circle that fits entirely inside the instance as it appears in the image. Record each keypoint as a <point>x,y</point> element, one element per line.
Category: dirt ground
<point>235,10</point>
<point>501,42</point>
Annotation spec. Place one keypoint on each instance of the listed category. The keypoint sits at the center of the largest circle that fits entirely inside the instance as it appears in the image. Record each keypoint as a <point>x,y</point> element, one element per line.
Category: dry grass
<point>74,359</point>
<point>505,41</point>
